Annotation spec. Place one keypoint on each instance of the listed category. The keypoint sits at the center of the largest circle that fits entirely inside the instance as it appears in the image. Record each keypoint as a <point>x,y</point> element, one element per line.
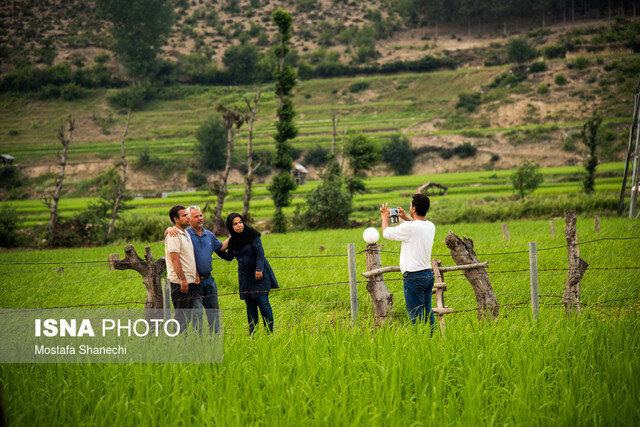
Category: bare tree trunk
<point>335,118</point>
<point>123,182</point>
<point>248,179</point>
<point>577,266</point>
<point>150,270</point>
<point>462,253</point>
<point>52,201</point>
<point>230,119</point>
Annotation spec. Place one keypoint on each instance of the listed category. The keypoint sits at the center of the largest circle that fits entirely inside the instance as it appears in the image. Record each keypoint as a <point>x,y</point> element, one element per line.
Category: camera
<point>393,215</point>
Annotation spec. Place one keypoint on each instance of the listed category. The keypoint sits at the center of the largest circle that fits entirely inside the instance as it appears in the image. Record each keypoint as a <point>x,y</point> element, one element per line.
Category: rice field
<point>318,369</point>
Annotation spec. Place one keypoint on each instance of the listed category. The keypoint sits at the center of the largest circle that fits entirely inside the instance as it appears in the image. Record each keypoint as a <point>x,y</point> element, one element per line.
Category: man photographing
<point>416,235</point>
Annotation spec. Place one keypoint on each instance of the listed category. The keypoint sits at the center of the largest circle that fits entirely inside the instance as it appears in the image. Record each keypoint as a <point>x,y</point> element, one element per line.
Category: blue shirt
<point>203,247</point>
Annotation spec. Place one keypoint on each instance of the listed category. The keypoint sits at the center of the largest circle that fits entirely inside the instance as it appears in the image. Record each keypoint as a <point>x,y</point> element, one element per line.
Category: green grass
<point>317,370</point>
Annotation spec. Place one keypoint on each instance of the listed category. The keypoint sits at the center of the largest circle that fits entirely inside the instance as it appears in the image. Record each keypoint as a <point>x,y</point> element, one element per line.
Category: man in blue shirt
<point>204,244</point>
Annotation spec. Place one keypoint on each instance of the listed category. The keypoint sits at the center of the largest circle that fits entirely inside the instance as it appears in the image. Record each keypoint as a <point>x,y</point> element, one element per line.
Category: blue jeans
<point>259,301</point>
<point>208,292</point>
<point>418,287</point>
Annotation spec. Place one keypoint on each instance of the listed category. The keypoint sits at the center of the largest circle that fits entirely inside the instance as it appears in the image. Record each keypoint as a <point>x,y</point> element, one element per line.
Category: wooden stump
<point>462,253</point>
<point>150,270</point>
<point>381,298</point>
<point>577,266</point>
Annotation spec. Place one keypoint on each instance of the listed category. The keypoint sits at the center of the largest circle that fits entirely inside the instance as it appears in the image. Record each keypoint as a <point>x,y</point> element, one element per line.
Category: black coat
<point>251,259</point>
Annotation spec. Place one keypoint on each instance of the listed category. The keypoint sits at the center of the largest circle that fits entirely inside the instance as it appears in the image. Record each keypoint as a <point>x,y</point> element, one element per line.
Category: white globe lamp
<point>371,235</point>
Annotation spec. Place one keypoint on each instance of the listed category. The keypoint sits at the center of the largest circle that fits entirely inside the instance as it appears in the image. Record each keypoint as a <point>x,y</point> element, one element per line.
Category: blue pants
<point>259,301</point>
<point>208,290</point>
<point>418,287</point>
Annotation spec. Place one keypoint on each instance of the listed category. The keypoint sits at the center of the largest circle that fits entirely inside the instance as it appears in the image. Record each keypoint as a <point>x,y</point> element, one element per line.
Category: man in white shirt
<point>416,235</point>
<point>181,266</point>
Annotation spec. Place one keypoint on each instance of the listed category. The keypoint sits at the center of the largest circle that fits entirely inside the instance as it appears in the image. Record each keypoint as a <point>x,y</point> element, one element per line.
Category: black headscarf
<point>238,241</point>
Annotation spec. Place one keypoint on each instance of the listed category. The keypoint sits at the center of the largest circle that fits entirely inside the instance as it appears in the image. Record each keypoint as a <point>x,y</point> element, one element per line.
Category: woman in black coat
<point>255,276</point>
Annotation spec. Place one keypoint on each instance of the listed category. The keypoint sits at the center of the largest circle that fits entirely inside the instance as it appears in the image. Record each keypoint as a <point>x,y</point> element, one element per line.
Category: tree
<point>211,143</point>
<point>139,29</point>
<point>363,154</point>
<point>519,50</point>
<point>398,154</point>
<point>590,140</point>
<point>52,201</point>
<point>282,183</point>
<point>250,118</point>
<point>328,205</point>
<point>526,178</point>
<point>242,61</point>
<point>230,119</point>
<point>123,183</point>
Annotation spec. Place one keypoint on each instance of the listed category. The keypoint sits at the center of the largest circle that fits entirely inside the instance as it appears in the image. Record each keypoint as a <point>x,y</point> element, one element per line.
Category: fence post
<point>552,229</point>
<point>353,282</point>
<point>505,231</point>
<point>533,272</point>
<point>381,298</point>
<point>597,223</point>
<point>166,299</point>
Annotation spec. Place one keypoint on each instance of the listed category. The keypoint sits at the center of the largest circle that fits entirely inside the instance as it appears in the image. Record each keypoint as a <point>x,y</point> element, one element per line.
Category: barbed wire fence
<point>627,297</point>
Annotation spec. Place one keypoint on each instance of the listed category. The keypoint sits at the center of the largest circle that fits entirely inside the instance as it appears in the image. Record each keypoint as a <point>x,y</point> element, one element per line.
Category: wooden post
<point>597,223</point>
<point>353,282</point>
<point>166,299</point>
<point>381,298</point>
<point>552,229</point>
<point>577,266</point>
<point>505,231</point>
<point>462,253</point>
<point>150,270</point>
<point>533,273</point>
<point>439,286</point>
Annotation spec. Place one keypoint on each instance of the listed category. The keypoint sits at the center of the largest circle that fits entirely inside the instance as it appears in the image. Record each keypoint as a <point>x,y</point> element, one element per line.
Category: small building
<point>299,173</point>
<point>6,160</point>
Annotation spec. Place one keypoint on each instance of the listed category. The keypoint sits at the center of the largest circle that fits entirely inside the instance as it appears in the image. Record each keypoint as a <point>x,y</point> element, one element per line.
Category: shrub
<point>561,79</point>
<point>358,87</point>
<point>538,66</point>
<point>447,153</point>
<point>328,205</point>
<point>543,89</point>
<point>520,50</point>
<point>101,58</point>
<point>316,156</point>
<point>72,91</point>
<point>10,177</point>
<point>526,178</point>
<point>196,177</point>
<point>581,63</point>
<point>465,150</point>
<point>398,154</point>
<point>469,101</point>
<point>133,97</point>
<point>554,51</point>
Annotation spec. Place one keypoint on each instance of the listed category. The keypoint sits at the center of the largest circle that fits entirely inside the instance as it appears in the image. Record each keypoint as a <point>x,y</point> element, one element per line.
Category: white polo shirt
<point>182,245</point>
<point>417,242</point>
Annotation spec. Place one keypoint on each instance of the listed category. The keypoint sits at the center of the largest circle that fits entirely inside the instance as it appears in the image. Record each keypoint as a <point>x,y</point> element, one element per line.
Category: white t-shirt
<point>417,242</point>
<point>182,245</point>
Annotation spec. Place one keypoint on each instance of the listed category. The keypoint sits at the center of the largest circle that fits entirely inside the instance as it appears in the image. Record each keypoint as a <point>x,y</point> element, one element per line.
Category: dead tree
<point>462,253</point>
<point>151,271</point>
<point>251,169</point>
<point>52,201</point>
<point>230,119</point>
<point>577,266</point>
<point>123,181</point>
